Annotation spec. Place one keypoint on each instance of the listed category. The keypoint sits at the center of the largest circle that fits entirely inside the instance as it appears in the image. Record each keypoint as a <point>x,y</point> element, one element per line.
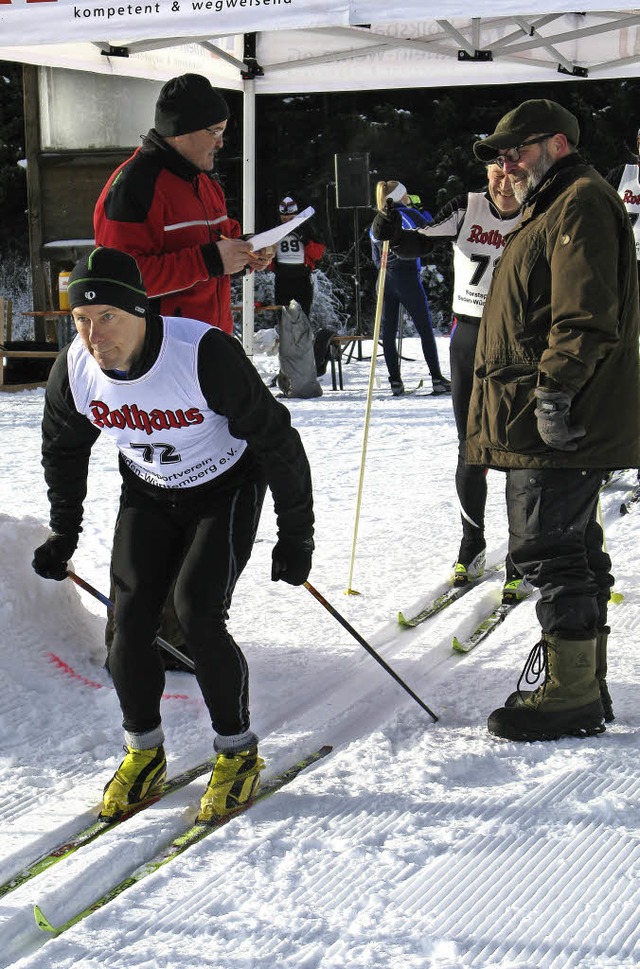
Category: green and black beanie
<point>108,277</point>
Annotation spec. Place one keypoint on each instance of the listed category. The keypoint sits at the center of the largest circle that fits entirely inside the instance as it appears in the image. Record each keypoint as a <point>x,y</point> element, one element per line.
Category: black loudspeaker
<point>352,180</point>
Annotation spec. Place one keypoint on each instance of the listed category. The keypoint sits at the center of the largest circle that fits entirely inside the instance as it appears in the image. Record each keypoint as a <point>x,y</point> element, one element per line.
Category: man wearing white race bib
<point>477,224</point>
<point>199,438</point>
<point>626,181</point>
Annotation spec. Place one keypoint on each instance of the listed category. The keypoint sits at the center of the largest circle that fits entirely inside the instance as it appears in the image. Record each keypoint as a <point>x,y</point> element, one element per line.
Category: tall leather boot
<point>567,703</point>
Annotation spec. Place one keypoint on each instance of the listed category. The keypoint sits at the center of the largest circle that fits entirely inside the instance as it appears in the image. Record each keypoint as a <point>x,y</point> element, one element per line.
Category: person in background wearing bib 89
<point>297,255</point>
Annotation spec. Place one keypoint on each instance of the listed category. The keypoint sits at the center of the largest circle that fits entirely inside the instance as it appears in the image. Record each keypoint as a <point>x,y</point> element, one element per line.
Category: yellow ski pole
<point>372,372</point>
<point>615,598</point>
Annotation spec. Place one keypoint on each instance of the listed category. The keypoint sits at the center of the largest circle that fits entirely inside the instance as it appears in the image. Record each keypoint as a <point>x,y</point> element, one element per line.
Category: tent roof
<point>324,45</point>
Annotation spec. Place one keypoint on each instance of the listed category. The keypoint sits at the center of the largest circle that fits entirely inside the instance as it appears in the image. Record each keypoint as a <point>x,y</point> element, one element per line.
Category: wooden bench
<point>6,382</point>
<point>9,352</point>
<point>258,308</point>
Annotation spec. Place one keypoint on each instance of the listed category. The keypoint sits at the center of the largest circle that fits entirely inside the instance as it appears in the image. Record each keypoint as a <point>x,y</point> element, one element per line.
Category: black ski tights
<point>471,480</point>
<point>204,542</point>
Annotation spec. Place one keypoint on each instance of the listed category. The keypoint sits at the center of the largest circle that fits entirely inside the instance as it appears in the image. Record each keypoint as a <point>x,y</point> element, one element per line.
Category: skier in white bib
<point>199,438</point>
<point>477,225</point>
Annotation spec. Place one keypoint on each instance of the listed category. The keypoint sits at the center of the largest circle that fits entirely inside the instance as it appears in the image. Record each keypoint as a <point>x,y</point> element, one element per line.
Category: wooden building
<point>78,127</point>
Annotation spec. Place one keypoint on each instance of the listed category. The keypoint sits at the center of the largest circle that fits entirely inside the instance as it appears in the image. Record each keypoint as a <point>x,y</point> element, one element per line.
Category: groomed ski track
<point>413,844</point>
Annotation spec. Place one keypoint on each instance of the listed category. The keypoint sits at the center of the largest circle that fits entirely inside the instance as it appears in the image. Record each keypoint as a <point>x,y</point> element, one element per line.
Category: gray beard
<point>522,189</point>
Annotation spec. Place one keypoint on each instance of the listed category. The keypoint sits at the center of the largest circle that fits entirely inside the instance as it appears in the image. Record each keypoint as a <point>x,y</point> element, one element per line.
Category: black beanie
<point>188,103</point>
<point>108,277</point>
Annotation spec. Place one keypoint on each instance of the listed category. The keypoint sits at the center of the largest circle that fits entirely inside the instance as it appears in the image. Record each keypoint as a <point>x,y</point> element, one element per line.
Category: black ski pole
<point>356,635</point>
<point>168,648</point>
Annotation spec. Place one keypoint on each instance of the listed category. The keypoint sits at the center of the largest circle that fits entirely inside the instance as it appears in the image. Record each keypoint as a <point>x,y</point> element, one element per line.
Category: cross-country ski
<point>88,833</point>
<point>444,600</point>
<point>484,628</point>
<point>191,836</point>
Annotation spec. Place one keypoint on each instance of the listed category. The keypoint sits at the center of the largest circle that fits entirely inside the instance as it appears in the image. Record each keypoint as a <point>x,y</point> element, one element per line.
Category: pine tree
<point>13,187</point>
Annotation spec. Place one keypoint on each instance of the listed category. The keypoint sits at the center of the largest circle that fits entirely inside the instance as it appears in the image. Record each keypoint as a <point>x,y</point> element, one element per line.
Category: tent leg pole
<point>248,206</point>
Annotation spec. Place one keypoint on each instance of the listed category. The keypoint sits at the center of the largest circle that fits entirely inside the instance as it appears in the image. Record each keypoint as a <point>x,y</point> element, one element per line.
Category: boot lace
<point>535,666</point>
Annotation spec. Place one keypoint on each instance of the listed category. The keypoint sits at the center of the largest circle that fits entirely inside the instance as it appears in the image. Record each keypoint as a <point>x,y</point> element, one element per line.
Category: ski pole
<point>350,591</point>
<point>168,648</point>
<point>614,597</point>
<point>356,635</point>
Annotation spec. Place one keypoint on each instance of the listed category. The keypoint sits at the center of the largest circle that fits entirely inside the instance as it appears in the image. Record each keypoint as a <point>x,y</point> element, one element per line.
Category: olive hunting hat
<point>108,277</point>
<point>529,118</point>
<point>188,103</point>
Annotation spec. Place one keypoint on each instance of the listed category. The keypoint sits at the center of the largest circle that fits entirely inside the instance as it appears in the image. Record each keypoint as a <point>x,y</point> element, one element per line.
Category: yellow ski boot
<point>140,777</point>
<point>234,780</point>
<point>463,574</point>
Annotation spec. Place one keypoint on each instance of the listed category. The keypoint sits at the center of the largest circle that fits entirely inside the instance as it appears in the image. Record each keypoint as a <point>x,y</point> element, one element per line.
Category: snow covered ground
<point>414,844</point>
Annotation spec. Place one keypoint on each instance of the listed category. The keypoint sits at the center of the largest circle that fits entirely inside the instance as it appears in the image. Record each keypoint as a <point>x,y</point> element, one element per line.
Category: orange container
<point>63,296</point>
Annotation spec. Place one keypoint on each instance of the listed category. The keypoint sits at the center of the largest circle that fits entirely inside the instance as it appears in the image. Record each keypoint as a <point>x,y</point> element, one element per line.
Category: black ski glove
<point>50,560</point>
<point>387,226</point>
<point>552,414</point>
<point>292,560</point>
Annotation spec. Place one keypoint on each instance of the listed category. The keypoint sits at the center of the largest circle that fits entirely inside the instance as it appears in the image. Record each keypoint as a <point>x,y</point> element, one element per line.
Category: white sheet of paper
<point>273,236</point>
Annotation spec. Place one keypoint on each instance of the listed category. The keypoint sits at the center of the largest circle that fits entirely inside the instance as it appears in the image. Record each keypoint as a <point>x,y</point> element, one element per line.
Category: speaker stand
<point>356,282</point>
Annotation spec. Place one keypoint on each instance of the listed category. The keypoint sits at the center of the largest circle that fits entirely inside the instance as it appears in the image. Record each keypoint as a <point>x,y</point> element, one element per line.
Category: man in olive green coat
<point>556,403</point>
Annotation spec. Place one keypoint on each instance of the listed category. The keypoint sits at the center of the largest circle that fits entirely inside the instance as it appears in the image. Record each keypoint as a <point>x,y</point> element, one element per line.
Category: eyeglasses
<point>513,154</point>
<point>216,132</point>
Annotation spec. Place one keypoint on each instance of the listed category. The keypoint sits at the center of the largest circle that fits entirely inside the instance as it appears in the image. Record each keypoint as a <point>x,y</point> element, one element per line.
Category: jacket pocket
<point>508,418</point>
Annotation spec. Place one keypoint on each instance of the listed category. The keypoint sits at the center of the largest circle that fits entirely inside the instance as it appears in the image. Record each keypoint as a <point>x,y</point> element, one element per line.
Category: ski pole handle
<point>168,648</point>
<point>356,635</point>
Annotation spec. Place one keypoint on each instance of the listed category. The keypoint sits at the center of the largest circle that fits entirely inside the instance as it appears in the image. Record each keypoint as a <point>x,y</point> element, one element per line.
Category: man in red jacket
<point>164,207</point>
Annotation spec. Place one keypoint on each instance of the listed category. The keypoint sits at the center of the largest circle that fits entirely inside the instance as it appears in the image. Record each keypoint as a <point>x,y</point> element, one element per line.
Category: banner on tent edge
<point>38,21</point>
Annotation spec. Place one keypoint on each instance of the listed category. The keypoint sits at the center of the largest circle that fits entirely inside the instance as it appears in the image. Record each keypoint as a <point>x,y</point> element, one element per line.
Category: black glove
<point>552,415</point>
<point>292,560</point>
<point>212,259</point>
<point>387,226</point>
<point>50,560</point>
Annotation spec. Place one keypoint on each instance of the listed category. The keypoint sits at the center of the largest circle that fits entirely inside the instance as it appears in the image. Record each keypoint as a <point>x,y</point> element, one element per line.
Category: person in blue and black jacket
<point>403,287</point>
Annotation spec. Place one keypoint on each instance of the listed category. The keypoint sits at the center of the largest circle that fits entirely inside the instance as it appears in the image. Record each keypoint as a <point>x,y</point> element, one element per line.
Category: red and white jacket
<point>166,213</point>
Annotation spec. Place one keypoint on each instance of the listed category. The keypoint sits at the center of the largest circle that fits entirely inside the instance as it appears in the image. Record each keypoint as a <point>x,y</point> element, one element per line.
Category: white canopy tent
<point>325,45</point>
<point>298,46</point>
